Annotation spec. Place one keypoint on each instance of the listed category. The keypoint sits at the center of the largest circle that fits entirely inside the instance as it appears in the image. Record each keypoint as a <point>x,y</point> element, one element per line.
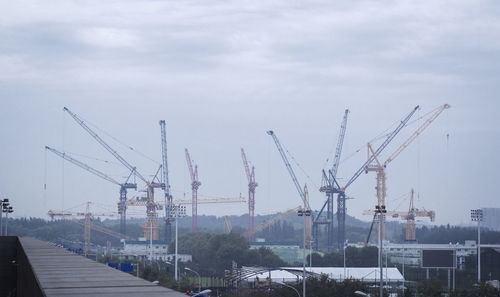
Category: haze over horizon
<point>222,73</point>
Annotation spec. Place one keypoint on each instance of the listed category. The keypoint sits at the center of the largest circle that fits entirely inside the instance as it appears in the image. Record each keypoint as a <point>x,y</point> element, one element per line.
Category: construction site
<point>324,228</point>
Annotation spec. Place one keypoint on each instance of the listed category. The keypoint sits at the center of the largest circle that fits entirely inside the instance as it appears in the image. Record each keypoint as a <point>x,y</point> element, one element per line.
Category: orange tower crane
<point>251,194</point>
<point>379,167</point>
<point>410,219</point>
<point>195,184</point>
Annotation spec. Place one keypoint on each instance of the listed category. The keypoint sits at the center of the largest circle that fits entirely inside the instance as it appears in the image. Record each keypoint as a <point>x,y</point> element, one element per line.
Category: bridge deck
<point>61,273</point>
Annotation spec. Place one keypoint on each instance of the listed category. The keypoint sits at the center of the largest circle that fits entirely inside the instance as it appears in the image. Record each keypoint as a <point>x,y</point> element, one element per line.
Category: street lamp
<point>3,203</point>
<point>306,213</point>
<point>283,284</point>
<point>199,278</point>
<point>380,210</point>
<point>477,215</point>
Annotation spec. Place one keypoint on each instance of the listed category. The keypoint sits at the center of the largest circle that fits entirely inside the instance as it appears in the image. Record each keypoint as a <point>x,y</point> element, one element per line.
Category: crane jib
<point>389,138</point>
<point>104,144</point>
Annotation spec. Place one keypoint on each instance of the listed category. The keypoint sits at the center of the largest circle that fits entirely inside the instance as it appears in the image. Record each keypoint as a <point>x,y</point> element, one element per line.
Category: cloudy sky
<point>222,73</point>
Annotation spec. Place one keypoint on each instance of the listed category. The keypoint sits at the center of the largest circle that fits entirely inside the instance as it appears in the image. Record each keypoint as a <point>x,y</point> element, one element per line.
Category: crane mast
<point>123,186</point>
<point>195,184</point>
<point>328,186</point>
<point>251,195</point>
<point>166,183</point>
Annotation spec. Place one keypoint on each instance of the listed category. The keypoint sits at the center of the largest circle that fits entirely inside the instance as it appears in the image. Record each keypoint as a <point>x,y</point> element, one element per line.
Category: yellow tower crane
<point>409,216</point>
<point>276,219</point>
<point>379,167</point>
<point>87,222</point>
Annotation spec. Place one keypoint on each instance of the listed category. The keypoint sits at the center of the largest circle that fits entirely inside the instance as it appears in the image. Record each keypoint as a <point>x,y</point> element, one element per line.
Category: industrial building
<point>410,254</point>
<point>141,249</point>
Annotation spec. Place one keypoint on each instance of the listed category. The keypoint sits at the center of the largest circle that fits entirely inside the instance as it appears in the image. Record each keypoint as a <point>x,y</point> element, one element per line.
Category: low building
<point>141,250</point>
<point>410,254</point>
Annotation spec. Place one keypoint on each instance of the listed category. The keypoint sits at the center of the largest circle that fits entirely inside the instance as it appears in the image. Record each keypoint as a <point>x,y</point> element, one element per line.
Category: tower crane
<point>123,186</point>
<point>379,167</point>
<point>195,184</point>
<point>88,216</point>
<point>307,208</point>
<point>150,208</point>
<point>166,183</point>
<point>251,194</point>
<point>330,186</point>
<point>409,216</point>
<point>341,190</point>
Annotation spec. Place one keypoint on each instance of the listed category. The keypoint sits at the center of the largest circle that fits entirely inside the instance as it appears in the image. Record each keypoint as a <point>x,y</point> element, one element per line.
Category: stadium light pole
<point>306,213</point>
<point>3,203</point>
<point>477,215</point>
<point>178,211</point>
<point>380,210</point>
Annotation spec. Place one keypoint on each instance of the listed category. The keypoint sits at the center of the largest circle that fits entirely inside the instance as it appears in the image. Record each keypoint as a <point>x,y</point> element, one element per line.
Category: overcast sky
<point>222,73</point>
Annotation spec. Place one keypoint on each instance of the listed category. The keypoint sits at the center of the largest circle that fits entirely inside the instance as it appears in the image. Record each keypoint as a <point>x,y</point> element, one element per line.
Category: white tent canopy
<point>365,274</point>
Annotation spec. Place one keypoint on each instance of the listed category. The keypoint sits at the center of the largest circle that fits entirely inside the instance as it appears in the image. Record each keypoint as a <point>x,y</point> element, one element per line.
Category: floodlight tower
<point>477,215</point>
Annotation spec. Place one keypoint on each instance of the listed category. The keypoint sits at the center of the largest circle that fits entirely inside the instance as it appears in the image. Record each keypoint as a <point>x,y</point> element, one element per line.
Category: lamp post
<point>7,210</point>
<point>178,211</point>
<point>3,203</point>
<point>306,213</point>
<point>199,278</point>
<point>477,215</point>
<point>345,245</point>
<point>283,284</point>
<point>380,209</point>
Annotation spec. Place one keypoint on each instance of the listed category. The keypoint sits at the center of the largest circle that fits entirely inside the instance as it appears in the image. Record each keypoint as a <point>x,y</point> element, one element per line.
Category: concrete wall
<point>8,253</point>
